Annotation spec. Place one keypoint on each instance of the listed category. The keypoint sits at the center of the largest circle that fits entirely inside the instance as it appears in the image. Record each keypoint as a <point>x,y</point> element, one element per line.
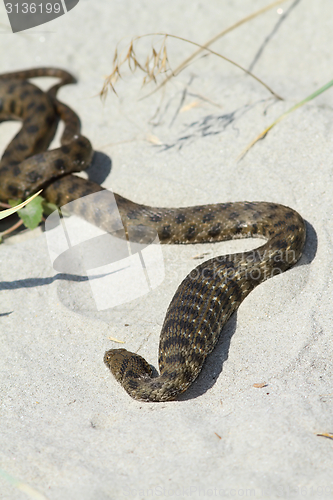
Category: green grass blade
<point>31,492</point>
<point>293,108</point>
<point>10,211</point>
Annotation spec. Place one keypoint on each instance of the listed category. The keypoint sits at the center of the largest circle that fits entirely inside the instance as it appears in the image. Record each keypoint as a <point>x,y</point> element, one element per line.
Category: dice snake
<point>208,296</point>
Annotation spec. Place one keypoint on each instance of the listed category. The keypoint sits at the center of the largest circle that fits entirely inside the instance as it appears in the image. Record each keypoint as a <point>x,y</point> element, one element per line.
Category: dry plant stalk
<point>158,63</point>
<point>189,59</point>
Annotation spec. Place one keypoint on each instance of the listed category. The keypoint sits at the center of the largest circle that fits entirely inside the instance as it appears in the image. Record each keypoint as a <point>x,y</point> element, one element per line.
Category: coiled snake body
<point>208,296</point>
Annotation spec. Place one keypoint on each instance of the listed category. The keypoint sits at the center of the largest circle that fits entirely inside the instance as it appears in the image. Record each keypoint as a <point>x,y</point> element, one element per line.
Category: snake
<point>208,296</point>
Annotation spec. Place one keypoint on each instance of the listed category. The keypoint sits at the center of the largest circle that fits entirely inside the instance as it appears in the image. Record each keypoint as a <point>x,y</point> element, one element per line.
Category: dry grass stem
<point>186,62</point>
<point>157,62</point>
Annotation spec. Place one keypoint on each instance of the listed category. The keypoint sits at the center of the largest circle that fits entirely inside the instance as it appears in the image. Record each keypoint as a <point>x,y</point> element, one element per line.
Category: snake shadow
<point>213,366</point>
<point>100,167</point>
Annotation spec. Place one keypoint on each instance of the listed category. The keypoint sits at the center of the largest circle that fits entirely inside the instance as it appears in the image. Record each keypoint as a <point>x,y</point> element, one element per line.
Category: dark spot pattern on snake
<point>208,296</point>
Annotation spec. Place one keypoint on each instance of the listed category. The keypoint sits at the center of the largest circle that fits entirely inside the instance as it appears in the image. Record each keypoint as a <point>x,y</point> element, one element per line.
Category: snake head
<point>127,365</point>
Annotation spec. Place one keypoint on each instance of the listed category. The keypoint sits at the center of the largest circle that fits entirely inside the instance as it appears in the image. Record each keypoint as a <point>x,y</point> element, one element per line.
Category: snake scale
<point>208,296</point>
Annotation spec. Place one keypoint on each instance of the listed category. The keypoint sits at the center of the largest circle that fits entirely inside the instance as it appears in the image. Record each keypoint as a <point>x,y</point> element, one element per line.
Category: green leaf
<point>14,203</point>
<point>32,214</point>
<point>48,208</point>
<point>10,211</point>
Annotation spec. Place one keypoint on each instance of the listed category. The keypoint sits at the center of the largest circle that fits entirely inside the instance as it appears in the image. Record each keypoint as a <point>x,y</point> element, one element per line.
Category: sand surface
<point>67,429</point>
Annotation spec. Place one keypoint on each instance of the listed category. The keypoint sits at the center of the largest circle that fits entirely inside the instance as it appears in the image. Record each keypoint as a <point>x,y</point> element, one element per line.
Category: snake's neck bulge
<point>208,296</point>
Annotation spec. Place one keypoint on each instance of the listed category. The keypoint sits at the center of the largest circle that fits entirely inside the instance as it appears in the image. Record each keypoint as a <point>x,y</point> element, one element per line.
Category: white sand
<point>67,428</point>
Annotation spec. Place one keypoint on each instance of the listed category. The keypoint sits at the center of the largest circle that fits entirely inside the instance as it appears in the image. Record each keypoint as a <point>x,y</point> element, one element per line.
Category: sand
<point>68,430</point>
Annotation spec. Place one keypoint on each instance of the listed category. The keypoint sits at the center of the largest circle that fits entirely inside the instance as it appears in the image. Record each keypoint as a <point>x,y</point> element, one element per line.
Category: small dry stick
<point>326,435</point>
<point>11,228</point>
<point>4,205</point>
<point>260,385</point>
<point>116,340</point>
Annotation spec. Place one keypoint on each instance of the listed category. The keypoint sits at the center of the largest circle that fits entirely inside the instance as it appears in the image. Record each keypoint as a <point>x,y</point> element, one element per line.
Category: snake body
<point>208,296</point>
